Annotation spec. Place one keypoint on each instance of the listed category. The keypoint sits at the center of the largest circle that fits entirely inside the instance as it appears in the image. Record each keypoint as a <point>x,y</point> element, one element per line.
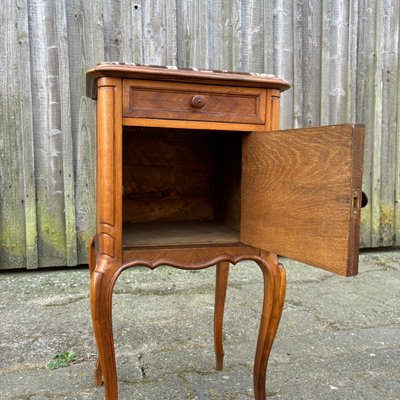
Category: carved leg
<point>221,284</point>
<point>98,373</point>
<point>274,297</point>
<point>101,304</point>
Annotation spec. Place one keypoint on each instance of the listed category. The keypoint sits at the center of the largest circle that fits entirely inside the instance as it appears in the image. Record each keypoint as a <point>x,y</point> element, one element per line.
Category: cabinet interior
<point>181,186</point>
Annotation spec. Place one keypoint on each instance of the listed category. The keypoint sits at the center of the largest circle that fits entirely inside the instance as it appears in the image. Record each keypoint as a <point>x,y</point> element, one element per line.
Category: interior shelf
<point>176,234</point>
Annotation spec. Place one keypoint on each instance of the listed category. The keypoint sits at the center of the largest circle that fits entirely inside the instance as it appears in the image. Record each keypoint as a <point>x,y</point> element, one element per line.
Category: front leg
<point>98,372</point>
<point>101,306</point>
<point>221,283</point>
<point>274,298</point>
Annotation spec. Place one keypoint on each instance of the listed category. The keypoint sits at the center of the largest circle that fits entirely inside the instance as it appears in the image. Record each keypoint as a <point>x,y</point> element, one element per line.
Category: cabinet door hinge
<point>356,201</point>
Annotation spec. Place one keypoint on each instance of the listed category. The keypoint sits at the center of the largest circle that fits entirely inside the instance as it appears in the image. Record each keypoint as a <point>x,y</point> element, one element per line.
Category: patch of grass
<point>62,360</point>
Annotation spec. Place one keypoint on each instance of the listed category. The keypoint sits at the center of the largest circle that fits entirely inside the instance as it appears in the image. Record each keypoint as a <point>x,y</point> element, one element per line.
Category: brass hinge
<point>356,201</point>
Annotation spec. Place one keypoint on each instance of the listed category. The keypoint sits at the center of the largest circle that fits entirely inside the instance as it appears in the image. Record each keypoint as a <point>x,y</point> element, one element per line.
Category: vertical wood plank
<point>312,63</point>
<point>192,34</point>
<point>224,35</point>
<point>47,128</point>
<point>297,81</point>
<point>327,25</point>
<point>352,62</point>
<point>25,126</point>
<point>18,247</point>
<point>252,17</point>
<point>377,124</point>
<point>397,150</point>
<point>86,48</point>
<point>334,56</point>
<point>268,40</point>
<point>68,179</point>
<point>132,34</point>
<point>387,75</point>
<point>365,104</point>
<point>159,27</point>
<point>112,30</point>
<point>284,60</point>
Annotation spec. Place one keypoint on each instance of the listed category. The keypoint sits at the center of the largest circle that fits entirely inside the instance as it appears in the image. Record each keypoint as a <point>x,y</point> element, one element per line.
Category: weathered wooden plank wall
<point>341,56</point>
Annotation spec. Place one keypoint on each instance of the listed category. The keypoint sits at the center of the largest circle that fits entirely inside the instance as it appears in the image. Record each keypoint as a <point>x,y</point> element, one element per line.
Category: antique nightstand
<point>192,172</point>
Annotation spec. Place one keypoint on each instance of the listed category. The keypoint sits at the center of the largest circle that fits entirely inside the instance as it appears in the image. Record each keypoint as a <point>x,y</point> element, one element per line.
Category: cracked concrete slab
<point>339,337</point>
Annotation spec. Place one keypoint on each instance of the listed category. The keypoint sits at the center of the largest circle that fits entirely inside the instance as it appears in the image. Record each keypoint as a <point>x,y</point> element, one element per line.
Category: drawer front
<point>192,102</point>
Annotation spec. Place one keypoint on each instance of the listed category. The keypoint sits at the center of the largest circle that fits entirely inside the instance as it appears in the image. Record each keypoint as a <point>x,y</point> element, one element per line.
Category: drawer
<point>193,102</point>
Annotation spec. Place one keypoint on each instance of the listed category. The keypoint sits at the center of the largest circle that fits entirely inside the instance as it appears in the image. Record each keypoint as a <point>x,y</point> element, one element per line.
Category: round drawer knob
<point>198,101</point>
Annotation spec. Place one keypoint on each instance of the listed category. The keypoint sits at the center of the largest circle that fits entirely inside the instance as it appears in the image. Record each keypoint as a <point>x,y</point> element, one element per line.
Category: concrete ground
<point>339,337</point>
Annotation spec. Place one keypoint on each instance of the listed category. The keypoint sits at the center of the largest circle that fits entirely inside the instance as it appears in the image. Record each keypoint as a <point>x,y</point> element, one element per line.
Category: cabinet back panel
<point>168,175</point>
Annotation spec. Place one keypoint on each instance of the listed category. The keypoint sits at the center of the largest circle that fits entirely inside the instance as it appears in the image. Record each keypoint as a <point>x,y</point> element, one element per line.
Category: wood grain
<point>163,100</point>
<point>61,72</point>
<point>189,257</point>
<point>51,131</point>
<point>274,299</point>
<point>109,168</point>
<point>168,175</point>
<point>180,176</point>
<point>177,234</point>
<point>297,194</point>
<point>204,125</point>
<point>18,216</point>
<point>83,20</point>
<point>221,284</point>
<point>160,73</point>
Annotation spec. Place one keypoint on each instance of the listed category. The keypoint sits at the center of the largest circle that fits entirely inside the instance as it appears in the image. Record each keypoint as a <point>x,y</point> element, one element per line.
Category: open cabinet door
<point>301,194</point>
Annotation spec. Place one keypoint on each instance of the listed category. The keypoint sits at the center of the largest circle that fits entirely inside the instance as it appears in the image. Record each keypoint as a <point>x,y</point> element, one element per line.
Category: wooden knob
<point>198,101</point>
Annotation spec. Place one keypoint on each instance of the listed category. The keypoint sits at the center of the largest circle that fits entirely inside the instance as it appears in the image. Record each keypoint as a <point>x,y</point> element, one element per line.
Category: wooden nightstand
<point>192,172</point>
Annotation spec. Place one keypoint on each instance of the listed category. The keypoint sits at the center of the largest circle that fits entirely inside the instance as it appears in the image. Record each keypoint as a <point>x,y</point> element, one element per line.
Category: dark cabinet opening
<point>181,186</point>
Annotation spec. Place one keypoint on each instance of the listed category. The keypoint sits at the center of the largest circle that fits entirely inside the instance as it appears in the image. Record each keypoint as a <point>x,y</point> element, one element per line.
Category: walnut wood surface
<point>298,189</point>
<point>109,168</point>
<point>187,195</point>
<point>187,256</point>
<point>104,277</point>
<point>204,77</point>
<point>204,125</point>
<point>156,164</point>
<point>168,175</point>
<point>181,175</point>
<point>274,298</point>
<point>175,101</point>
<point>177,234</point>
<point>221,284</point>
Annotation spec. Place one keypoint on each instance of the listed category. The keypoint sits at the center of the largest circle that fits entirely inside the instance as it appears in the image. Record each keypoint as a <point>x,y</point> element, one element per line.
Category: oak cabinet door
<point>301,194</point>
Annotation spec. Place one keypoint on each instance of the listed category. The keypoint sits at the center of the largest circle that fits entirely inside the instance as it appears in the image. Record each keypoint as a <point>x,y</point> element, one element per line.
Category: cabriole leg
<point>101,305</point>
<point>274,297</point>
<point>98,373</point>
<point>221,284</point>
